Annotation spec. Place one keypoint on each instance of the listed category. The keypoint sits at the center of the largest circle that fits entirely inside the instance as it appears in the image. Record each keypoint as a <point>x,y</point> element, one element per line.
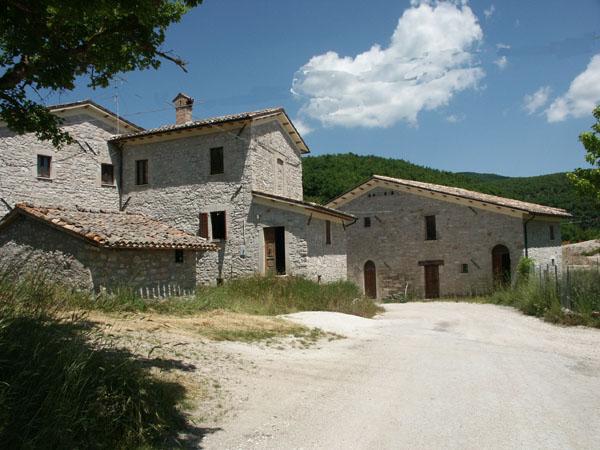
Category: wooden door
<point>370,279</point>
<point>432,281</point>
<point>501,269</point>
<point>270,251</point>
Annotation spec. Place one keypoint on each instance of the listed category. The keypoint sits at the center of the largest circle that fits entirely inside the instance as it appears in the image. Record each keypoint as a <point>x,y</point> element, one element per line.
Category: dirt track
<point>423,375</point>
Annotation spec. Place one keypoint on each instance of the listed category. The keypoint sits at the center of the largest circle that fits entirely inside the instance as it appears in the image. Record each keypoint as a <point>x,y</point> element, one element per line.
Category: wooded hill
<point>327,176</point>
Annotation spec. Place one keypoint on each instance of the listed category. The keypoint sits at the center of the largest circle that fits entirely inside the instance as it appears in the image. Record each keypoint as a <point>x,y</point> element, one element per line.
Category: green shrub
<point>525,268</point>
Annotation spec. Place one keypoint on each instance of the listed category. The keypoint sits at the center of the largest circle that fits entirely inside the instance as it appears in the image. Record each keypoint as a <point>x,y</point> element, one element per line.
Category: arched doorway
<point>370,279</point>
<point>501,265</point>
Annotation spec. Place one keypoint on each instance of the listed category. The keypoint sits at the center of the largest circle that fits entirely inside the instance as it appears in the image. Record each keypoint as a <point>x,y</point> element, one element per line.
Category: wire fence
<point>572,283</point>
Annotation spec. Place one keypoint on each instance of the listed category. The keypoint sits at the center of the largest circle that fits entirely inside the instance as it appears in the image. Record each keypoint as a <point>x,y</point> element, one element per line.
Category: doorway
<point>370,274</point>
<point>275,250</point>
<point>501,265</point>
<point>432,280</point>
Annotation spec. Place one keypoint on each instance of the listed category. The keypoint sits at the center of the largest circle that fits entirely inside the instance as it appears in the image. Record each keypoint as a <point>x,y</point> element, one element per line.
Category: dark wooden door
<point>501,265</point>
<point>432,281</point>
<point>270,251</point>
<point>370,280</point>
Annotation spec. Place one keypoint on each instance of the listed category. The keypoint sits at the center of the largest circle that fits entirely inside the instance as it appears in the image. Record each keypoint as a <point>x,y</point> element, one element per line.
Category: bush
<point>62,385</point>
<point>525,268</point>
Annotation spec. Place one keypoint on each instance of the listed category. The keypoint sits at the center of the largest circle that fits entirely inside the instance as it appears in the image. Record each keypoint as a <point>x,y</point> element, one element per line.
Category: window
<point>464,268</point>
<point>43,166</point>
<point>217,220</point>
<point>179,256</point>
<point>430,230</point>
<point>141,171</point>
<point>367,222</point>
<point>551,232</point>
<point>107,174</point>
<point>216,161</point>
<point>328,232</point>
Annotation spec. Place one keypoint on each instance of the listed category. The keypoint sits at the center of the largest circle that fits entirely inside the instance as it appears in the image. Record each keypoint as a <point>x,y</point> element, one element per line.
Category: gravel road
<point>422,375</point>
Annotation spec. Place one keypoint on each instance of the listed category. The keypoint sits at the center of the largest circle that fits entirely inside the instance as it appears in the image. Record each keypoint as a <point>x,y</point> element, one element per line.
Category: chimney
<point>183,108</point>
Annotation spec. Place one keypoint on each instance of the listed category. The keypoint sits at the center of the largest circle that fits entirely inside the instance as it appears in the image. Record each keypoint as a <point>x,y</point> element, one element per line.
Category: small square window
<point>367,222</point>
<point>216,161</point>
<point>141,172</point>
<point>179,256</point>
<point>107,174</point>
<point>464,268</point>
<point>44,163</point>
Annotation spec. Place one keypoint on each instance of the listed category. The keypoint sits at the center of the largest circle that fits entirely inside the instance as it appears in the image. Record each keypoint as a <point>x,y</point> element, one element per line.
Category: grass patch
<point>64,385</point>
<point>594,252</point>
<point>570,300</point>
<point>253,295</point>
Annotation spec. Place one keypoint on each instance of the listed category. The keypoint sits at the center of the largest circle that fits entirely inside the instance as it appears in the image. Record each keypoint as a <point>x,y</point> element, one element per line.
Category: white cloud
<point>501,46</point>
<point>302,127</point>
<point>581,98</point>
<point>489,12</point>
<point>455,118</point>
<point>533,102</point>
<point>428,60</point>
<point>501,62</point>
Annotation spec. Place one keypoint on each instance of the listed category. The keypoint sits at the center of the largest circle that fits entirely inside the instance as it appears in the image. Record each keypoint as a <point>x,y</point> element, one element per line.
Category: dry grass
<point>218,325</point>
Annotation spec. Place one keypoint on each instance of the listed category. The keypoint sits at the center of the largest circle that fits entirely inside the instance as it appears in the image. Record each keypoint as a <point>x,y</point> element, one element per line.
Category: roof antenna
<point>116,97</point>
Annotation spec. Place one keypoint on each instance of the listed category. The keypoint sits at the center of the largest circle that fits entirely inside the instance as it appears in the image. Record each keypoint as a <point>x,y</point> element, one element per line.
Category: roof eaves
<point>305,205</point>
<point>86,102</point>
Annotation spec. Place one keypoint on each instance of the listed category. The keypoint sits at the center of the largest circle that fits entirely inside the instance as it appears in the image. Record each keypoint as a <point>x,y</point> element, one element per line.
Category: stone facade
<point>396,242</point>
<point>180,187</point>
<point>36,246</point>
<point>75,168</point>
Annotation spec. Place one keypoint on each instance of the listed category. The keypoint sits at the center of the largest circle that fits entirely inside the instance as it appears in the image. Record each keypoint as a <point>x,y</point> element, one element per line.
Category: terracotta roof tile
<point>114,229</point>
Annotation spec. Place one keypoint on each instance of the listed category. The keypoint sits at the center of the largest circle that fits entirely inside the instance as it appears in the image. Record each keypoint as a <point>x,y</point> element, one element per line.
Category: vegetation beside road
<point>256,295</point>
<point>65,385</point>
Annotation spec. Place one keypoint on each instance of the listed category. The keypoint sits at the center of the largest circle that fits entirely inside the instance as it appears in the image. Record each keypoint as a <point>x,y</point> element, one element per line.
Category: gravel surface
<point>422,375</point>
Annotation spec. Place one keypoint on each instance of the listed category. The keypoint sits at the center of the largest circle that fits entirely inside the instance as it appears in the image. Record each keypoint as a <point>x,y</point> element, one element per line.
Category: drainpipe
<point>525,235</point>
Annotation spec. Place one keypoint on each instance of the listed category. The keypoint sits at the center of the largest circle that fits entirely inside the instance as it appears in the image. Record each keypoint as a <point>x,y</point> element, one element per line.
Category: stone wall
<point>32,245</point>
<point>545,252</point>
<point>396,243</point>
<point>75,169</point>
<point>270,144</point>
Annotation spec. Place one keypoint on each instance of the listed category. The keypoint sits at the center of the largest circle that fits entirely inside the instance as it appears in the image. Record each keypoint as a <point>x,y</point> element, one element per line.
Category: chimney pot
<point>183,108</point>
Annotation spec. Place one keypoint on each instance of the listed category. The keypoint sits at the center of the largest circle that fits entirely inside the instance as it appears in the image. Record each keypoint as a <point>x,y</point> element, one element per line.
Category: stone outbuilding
<point>427,240</point>
<point>100,250</point>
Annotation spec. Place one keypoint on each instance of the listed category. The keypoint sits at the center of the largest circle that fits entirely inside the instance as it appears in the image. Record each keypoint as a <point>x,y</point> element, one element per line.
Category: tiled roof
<point>531,208</point>
<point>215,121</point>
<point>113,229</point>
<point>200,123</point>
<point>88,102</point>
<point>309,206</point>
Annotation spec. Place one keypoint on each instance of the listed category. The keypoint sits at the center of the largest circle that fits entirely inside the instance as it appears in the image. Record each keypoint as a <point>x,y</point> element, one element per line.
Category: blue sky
<point>486,86</point>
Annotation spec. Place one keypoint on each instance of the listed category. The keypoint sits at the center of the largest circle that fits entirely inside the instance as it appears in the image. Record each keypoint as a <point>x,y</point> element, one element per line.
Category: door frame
<point>429,264</point>
<point>280,250</point>
<point>368,292</point>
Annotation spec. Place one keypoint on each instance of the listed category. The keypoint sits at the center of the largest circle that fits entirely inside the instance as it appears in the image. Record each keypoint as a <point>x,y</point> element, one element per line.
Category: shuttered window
<point>431,234</point>
<point>328,232</point>
<point>203,225</point>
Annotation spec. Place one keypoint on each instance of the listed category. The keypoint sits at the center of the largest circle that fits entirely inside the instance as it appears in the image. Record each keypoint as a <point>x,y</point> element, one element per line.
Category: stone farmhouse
<point>166,209</point>
<point>200,201</point>
<point>429,240</point>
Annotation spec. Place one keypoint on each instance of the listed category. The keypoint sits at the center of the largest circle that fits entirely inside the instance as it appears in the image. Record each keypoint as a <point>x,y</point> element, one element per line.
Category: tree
<point>48,44</point>
<point>587,181</point>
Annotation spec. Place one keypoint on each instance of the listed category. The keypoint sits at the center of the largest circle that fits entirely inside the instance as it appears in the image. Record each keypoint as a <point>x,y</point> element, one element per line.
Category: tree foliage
<point>327,176</point>
<point>587,181</point>
<point>48,44</point>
